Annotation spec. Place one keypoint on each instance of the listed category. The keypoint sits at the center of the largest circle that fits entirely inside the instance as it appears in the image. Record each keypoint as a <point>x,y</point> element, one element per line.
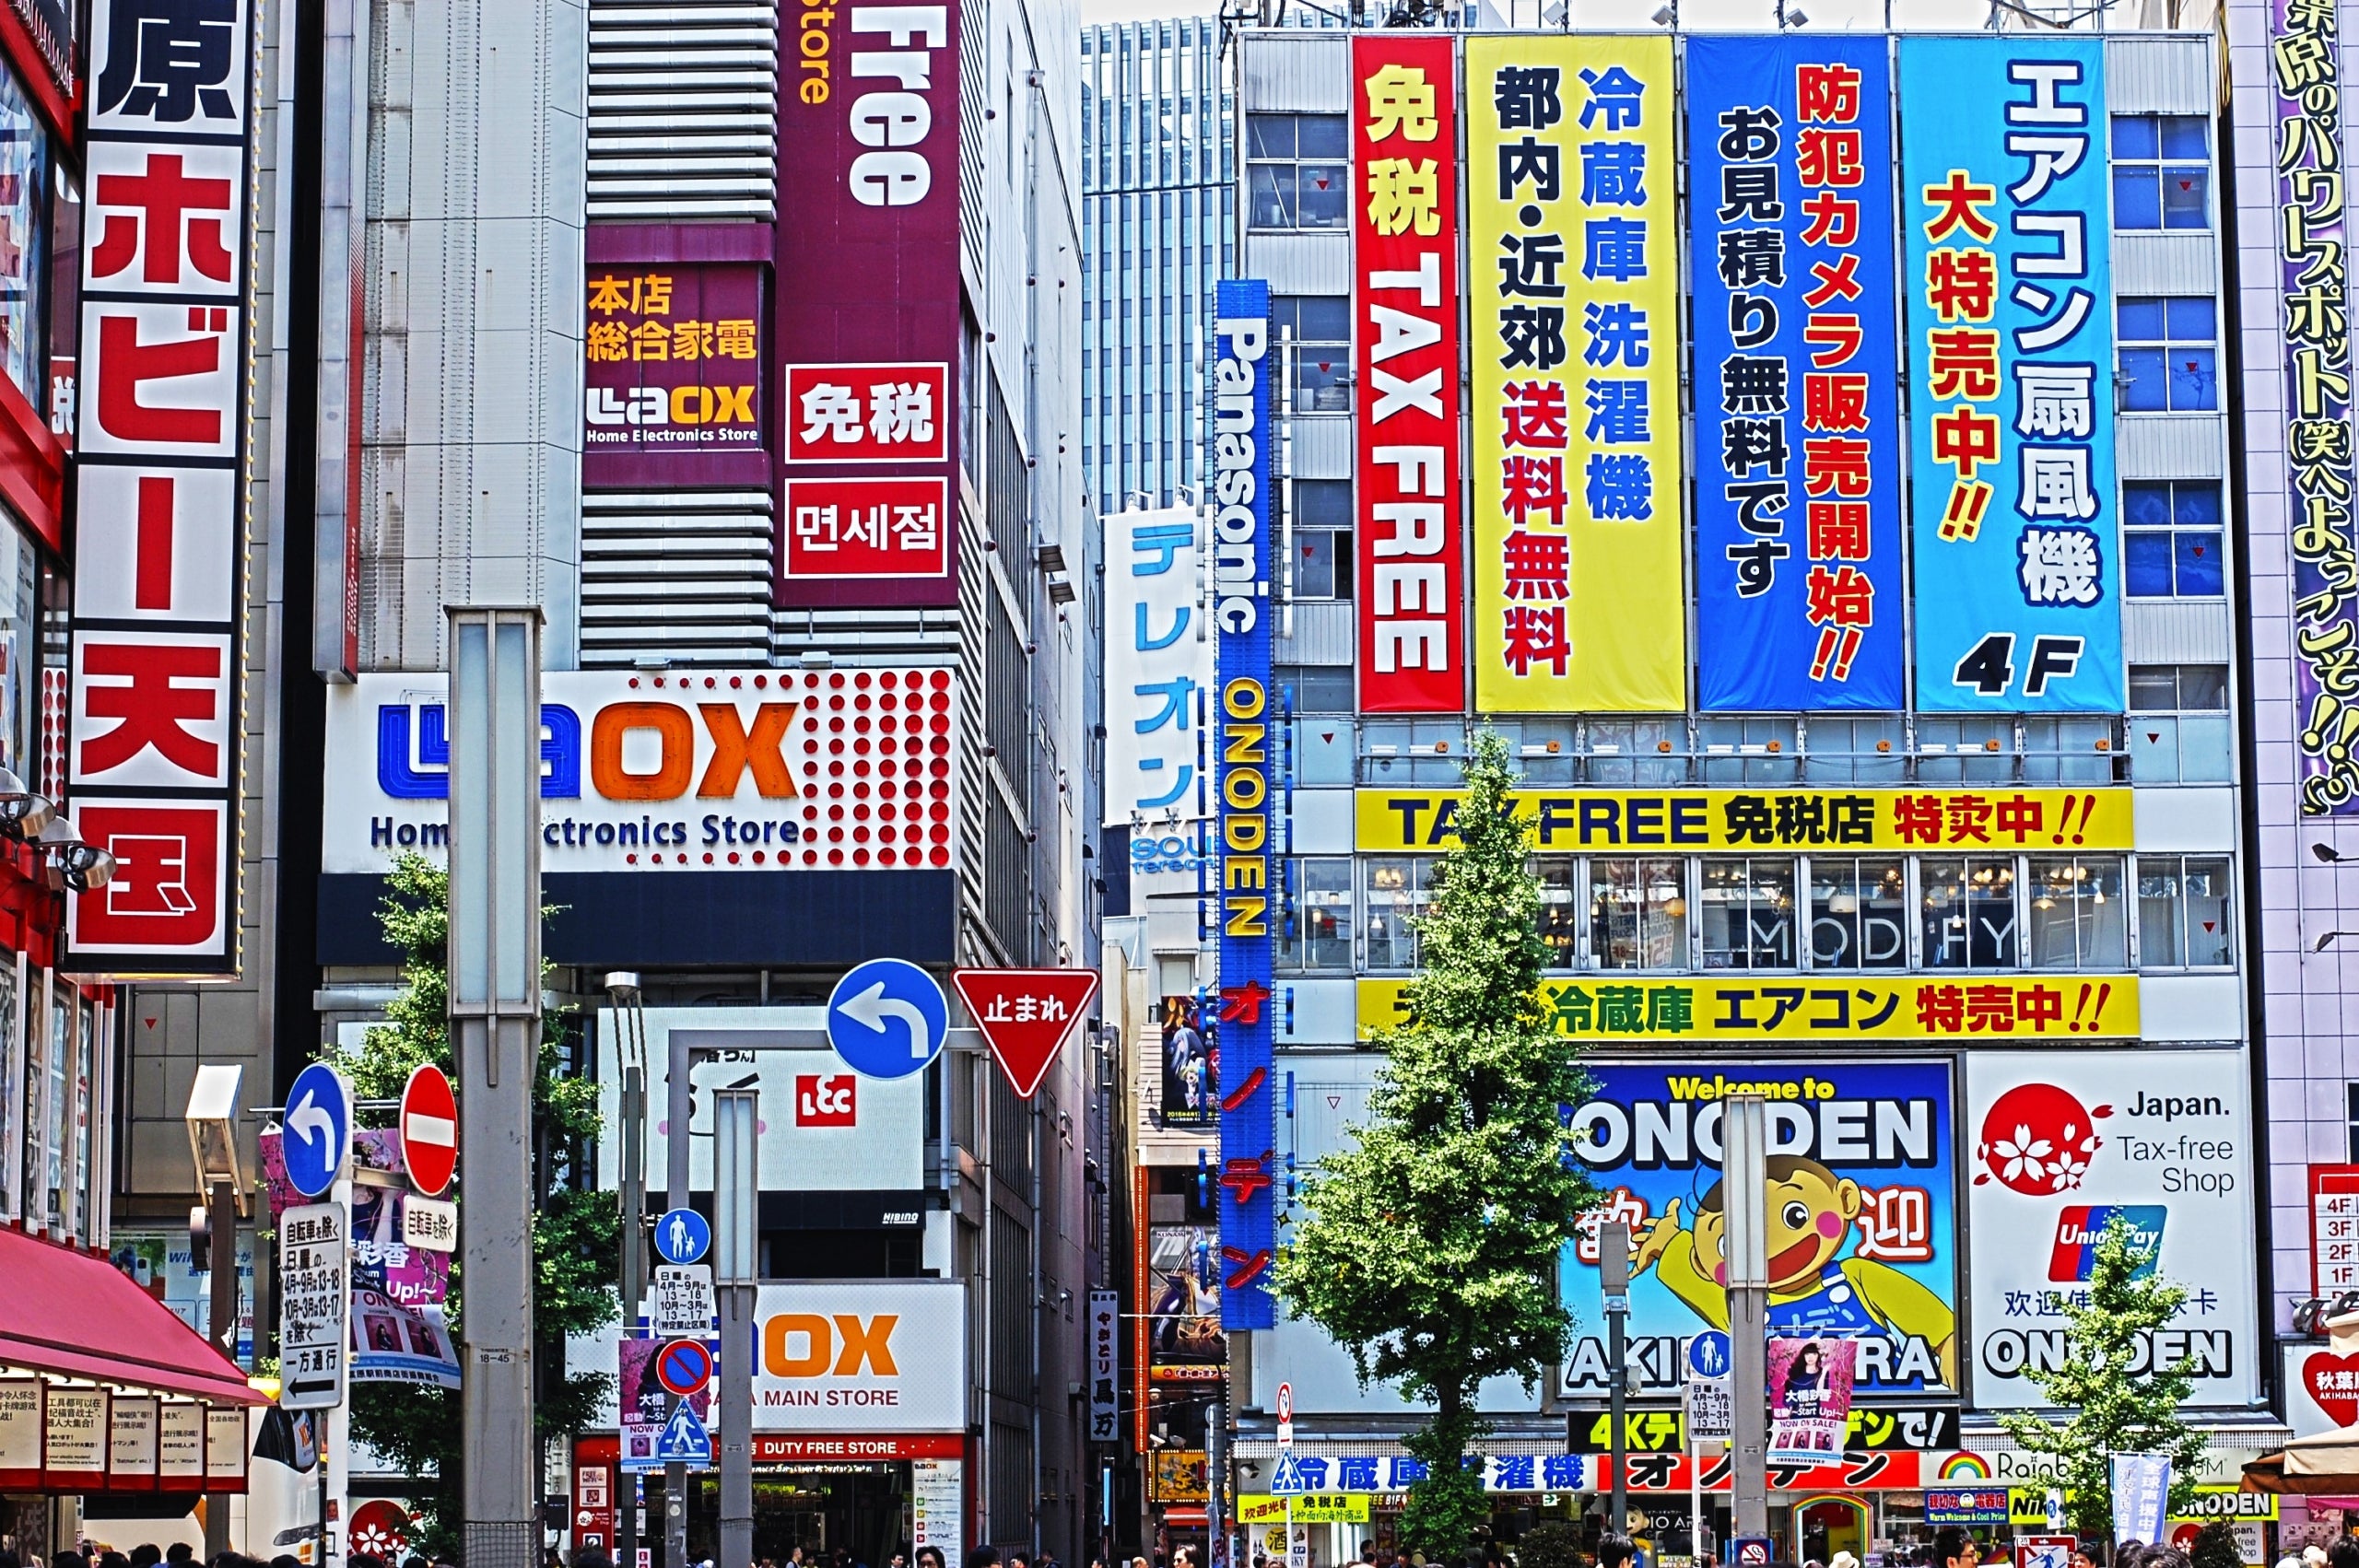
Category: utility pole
<point>631,1050</point>
<point>679,1109</point>
<point>494,967</point>
<point>1614,1277</point>
<point>737,1198</point>
<point>1744,1181</point>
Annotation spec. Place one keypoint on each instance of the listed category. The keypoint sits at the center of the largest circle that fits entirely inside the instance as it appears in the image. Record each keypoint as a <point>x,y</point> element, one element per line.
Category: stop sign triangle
<point>1024,1015</point>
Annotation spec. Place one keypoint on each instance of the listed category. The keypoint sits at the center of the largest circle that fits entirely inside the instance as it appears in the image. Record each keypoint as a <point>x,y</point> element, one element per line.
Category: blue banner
<point>1798,490</point>
<point>2004,204</point>
<point>1248,780</point>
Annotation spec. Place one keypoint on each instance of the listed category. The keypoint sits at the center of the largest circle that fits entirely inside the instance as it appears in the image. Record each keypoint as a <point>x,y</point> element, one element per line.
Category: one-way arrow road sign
<point>1024,1015</point>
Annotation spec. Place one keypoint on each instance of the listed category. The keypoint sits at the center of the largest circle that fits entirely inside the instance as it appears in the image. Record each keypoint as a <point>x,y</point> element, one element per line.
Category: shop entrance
<point>860,1509</point>
<point>1824,1526</point>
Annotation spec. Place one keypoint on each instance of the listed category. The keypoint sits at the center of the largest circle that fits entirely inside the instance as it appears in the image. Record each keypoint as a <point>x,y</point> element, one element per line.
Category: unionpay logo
<point>2074,1255</point>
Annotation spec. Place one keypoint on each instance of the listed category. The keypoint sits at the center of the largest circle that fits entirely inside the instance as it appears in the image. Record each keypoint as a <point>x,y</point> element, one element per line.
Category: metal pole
<point>1614,1276</point>
<point>736,1195</point>
<point>1695,1480</point>
<point>221,1206</point>
<point>495,970</point>
<point>630,1044</point>
<point>679,1106</point>
<point>1744,1149</point>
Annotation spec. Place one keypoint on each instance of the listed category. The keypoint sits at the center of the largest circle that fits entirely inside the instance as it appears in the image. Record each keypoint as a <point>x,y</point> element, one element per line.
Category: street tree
<point>576,1230</point>
<point>1427,1246</point>
<point>2107,1405</point>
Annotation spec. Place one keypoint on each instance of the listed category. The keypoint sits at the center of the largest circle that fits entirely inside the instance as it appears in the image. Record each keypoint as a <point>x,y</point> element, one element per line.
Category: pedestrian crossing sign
<point>1288,1481</point>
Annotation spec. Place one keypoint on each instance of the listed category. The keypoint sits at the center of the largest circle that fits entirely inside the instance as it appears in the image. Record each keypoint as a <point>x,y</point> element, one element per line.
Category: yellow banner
<point>1573,275</point>
<point>2000,820</point>
<point>1315,1508</point>
<point>1984,1010</point>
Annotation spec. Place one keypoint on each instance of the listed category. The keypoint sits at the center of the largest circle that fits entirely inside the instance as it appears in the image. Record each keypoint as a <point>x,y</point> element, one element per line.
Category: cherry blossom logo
<point>2039,1140</point>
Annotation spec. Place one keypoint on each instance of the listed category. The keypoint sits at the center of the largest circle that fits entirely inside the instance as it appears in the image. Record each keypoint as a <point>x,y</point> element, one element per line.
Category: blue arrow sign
<point>682,1235</point>
<point>318,1128</point>
<point>683,1440</point>
<point>1709,1354</point>
<point>1286,1480</point>
<point>887,1019</point>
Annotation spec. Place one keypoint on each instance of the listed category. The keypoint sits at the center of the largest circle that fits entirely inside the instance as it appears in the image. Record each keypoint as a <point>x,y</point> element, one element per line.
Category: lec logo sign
<point>827,1099</point>
<point>805,1344</point>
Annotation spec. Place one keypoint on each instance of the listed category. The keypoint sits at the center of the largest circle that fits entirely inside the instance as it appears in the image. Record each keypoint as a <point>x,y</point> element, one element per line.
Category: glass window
<point>1316,688</point>
<point>1323,563</point>
<point>1637,912</point>
<point>1297,176</point>
<point>2077,920</point>
<point>2178,729</point>
<point>1858,914</point>
<point>1560,917</point>
<point>1396,893</point>
<point>2167,359</point>
<point>1321,328</point>
<point>1968,914</point>
<point>1316,932</point>
<point>1747,909</point>
<point>2183,912</point>
<point>2161,172</point>
<point>2172,540</point>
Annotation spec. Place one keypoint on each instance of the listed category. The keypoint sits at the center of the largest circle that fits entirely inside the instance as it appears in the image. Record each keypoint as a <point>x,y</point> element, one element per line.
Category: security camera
<point>23,814</point>
<point>73,866</point>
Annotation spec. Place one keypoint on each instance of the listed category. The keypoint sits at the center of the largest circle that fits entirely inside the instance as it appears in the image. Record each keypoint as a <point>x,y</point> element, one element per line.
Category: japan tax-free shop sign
<point>160,485</point>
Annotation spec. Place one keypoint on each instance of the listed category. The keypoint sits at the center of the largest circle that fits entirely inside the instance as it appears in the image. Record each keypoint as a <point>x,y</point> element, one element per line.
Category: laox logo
<point>682,406</point>
<point>804,1344</point>
<point>827,1099</point>
<point>636,751</point>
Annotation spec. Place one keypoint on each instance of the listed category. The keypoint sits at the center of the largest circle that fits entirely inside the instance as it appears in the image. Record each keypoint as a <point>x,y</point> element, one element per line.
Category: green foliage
<point>576,1235</point>
<point>2108,1408</point>
<point>2216,1547</point>
<point>1429,1249</point>
<point>1549,1544</point>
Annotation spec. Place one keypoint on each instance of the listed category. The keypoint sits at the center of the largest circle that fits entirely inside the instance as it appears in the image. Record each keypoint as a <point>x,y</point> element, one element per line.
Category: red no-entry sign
<point>429,1129</point>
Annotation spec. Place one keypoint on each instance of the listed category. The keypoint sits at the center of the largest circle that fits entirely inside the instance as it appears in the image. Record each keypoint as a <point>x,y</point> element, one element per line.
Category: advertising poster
<point>671,375</point>
<point>399,1342</point>
<point>2063,1143</point>
<point>1159,669</point>
<point>1246,772</point>
<point>1188,1087</point>
<point>1404,359</point>
<point>2005,210</point>
<point>1862,1230</point>
<point>866,298</point>
<point>1182,1272</point>
<point>1798,493</point>
<point>1809,1398</point>
<point>2313,273</point>
<point>643,1402</point>
<point>1579,598</point>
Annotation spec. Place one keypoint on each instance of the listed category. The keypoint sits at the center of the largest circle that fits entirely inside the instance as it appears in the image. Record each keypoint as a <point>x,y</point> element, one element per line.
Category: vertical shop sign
<point>1579,602</point>
<point>2004,206</point>
<point>1405,353</point>
<point>865,296</point>
<point>1158,663</point>
<point>1247,774</point>
<point>671,375</point>
<point>153,722</point>
<point>1799,489</point>
<point>2306,58</point>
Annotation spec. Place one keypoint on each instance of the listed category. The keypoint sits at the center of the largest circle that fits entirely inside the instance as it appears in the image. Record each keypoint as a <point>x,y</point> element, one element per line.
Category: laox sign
<point>658,765</point>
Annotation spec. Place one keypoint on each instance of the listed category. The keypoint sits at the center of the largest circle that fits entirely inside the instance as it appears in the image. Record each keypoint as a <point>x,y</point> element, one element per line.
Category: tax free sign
<point>748,771</point>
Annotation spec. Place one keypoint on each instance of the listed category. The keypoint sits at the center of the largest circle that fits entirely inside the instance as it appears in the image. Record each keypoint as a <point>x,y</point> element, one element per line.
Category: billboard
<point>153,726</point>
<point>850,1356</point>
<point>673,388</point>
<point>1798,497</point>
<point>865,296</point>
<point>1247,762</point>
<point>2060,1144</point>
<point>1158,652</point>
<point>2307,108</point>
<point>1579,600</point>
<point>1412,585</point>
<point>2006,214</point>
<point>1862,1230</point>
<point>739,770</point>
<point>1184,1311</point>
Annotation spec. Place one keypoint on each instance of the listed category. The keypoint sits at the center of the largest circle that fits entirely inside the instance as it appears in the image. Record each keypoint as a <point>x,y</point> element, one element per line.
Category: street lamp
<point>2330,855</point>
<point>212,1121</point>
<point>2326,940</point>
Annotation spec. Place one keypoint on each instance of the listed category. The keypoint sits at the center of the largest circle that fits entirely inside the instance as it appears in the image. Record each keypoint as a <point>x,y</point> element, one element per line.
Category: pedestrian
<point>2343,1553</point>
<point>586,1557</point>
<point>930,1557</point>
<point>180,1554</point>
<point>1955,1547</point>
<point>1614,1550</point>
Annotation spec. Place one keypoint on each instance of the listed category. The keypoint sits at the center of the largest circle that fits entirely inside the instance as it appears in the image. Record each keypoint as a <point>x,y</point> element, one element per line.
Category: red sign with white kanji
<point>152,722</point>
<point>1024,1015</point>
<point>867,413</point>
<point>867,528</point>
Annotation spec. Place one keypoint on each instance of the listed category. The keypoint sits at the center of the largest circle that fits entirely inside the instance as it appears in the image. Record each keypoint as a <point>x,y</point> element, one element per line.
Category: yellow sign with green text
<point>1999,820</point>
<point>1313,1508</point>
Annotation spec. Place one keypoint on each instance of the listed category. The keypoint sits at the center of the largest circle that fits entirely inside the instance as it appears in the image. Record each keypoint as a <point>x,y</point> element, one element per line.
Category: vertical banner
<point>1246,754</point>
<point>1578,599</point>
<point>2305,59</point>
<point>2004,205</point>
<point>153,721</point>
<point>865,297</point>
<point>1404,355</point>
<point>1158,662</point>
<point>1799,492</point>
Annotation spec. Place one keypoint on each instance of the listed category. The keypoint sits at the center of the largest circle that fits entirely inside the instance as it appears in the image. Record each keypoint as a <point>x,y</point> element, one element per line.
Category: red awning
<point>77,1315</point>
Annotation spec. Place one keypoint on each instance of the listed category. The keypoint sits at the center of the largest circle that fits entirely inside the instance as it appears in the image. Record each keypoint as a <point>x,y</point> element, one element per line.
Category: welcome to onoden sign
<point>868,1356</point>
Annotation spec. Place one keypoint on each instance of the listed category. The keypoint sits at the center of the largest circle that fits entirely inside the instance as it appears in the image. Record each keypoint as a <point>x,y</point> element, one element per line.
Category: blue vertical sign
<point>1245,757</point>
<point>1798,500</point>
<point>2003,202</point>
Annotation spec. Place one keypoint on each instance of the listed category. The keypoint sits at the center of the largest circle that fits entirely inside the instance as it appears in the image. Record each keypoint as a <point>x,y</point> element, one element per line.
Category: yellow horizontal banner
<point>1818,1007</point>
<point>1315,1508</point>
<point>2002,819</point>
